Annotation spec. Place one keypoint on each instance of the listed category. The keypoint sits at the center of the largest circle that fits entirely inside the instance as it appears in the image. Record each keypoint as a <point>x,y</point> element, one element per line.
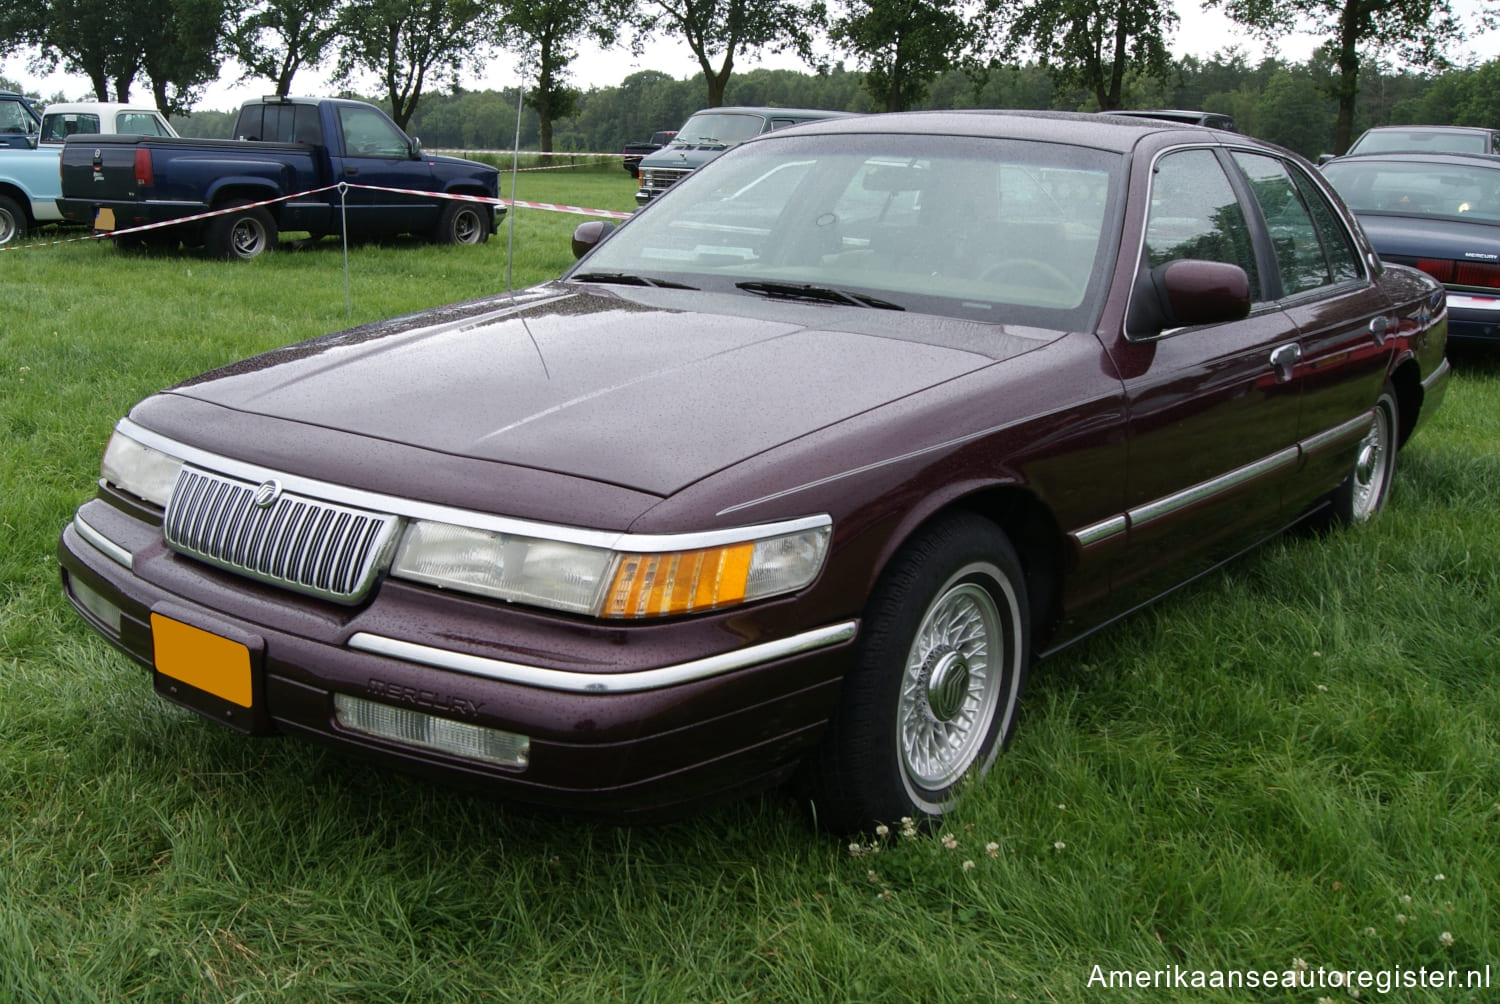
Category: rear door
<point>1342,318</point>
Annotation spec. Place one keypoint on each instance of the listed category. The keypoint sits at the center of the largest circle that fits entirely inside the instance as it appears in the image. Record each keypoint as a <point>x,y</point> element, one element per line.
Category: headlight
<point>620,584</point>
<point>139,469</point>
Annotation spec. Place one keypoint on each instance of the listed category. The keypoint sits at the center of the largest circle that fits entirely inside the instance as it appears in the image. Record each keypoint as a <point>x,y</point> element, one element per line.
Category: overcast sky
<point>1201,33</point>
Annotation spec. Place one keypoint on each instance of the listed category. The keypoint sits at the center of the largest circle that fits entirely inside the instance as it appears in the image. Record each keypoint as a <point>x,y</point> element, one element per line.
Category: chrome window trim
<point>603,683</point>
<point>114,552</point>
<point>645,543</point>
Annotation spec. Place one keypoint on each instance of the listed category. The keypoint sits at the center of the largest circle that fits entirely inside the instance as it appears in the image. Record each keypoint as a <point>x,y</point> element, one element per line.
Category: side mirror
<point>1188,292</point>
<point>587,236</point>
<point>414,144</point>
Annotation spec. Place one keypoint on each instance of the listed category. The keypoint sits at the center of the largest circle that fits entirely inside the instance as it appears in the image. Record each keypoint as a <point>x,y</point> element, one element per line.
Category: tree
<point>544,33</point>
<point>1418,30</point>
<point>733,27</point>
<point>403,42</point>
<point>277,38</point>
<point>184,53</point>
<point>1090,43</point>
<point>904,45</point>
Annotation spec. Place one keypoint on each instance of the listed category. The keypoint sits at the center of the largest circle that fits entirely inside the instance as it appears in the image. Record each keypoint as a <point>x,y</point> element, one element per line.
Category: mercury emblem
<point>266,494</point>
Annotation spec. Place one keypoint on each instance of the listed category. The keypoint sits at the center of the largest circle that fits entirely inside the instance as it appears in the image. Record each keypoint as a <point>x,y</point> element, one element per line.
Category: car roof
<point>1429,128</point>
<point>769,112</point>
<point>1105,132</point>
<point>104,107</point>
<point>1486,160</point>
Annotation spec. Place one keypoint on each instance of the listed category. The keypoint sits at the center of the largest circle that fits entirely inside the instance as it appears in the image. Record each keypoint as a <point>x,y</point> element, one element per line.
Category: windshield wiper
<point>823,294</point>
<point>628,279</point>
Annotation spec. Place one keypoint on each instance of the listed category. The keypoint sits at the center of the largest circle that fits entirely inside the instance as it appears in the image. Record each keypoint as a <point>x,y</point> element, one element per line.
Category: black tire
<point>462,223</point>
<point>242,234</point>
<point>932,695</point>
<point>13,221</point>
<point>1363,494</point>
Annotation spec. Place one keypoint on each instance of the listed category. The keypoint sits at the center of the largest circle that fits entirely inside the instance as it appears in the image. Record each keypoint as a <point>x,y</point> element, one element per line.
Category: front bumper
<point>629,721</point>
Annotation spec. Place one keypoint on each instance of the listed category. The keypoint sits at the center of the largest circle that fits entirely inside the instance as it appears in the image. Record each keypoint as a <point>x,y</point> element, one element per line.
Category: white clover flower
<point>1446,939</point>
<point>1323,687</point>
<point>1439,877</point>
<point>1369,932</point>
<point>968,866</point>
<point>882,830</point>
<point>855,850</point>
<point>871,876</point>
<point>1406,901</point>
<point>1059,846</point>
<point>1062,806</point>
<point>1300,965</point>
<point>950,841</point>
<point>1401,918</point>
<point>992,849</point>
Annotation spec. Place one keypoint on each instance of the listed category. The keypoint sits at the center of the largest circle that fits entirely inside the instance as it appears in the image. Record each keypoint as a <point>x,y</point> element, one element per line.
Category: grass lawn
<point>1295,759</point>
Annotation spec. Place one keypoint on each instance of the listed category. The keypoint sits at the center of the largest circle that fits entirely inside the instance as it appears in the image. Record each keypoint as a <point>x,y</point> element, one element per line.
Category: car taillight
<point>143,175</point>
<point>1462,273</point>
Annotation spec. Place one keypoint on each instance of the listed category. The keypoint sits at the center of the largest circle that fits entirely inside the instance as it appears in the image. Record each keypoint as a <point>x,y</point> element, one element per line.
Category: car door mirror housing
<point>1188,292</point>
<point>587,236</point>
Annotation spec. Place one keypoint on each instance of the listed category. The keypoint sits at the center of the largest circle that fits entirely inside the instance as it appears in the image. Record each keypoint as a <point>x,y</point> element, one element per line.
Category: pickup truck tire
<point>12,220</point>
<point>462,223</point>
<point>242,234</point>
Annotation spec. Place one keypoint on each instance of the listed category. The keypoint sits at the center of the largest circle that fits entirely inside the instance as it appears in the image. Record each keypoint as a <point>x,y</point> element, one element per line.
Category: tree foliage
<point>904,45</point>
<point>1416,30</point>
<point>1092,43</point>
<point>404,42</point>
<point>726,29</point>
<point>276,38</point>
<point>545,34</point>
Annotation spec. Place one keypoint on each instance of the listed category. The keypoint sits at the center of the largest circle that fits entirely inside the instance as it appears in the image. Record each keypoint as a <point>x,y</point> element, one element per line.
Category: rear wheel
<point>462,223</point>
<point>932,696</point>
<point>1368,486</point>
<point>242,233</point>
<point>12,220</point>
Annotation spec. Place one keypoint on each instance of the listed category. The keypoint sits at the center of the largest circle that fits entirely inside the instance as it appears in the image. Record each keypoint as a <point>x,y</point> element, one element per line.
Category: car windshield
<point>986,229</point>
<point>719,127</point>
<point>1420,141</point>
<point>1431,188</point>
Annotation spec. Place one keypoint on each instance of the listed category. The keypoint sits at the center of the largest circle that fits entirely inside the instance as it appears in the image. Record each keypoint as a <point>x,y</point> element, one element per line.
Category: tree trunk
<point>1348,85</point>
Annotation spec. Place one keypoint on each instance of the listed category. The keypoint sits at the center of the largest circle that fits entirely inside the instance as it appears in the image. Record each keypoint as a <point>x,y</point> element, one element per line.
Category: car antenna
<point>510,216</point>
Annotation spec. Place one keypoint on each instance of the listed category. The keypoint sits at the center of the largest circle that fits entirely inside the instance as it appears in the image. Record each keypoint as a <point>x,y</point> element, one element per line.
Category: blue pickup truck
<point>296,150</point>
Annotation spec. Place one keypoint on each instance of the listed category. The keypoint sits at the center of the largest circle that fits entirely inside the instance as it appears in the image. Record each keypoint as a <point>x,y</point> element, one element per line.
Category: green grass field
<point>1295,759</point>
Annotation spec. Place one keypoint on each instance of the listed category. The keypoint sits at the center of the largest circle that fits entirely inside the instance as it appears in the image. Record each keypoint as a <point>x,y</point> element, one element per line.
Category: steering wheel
<point>1048,274</point>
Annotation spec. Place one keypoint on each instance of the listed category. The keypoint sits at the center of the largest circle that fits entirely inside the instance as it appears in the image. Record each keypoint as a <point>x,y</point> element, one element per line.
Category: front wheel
<point>1364,492</point>
<point>462,223</point>
<point>932,696</point>
<point>242,233</point>
<point>12,220</point>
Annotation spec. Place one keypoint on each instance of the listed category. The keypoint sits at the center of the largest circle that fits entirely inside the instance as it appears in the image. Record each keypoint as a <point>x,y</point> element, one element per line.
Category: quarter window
<point>1194,214</point>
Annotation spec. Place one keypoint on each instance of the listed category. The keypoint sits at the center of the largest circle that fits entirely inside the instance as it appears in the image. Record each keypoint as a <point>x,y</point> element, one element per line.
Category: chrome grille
<point>315,547</point>
<point>661,178</point>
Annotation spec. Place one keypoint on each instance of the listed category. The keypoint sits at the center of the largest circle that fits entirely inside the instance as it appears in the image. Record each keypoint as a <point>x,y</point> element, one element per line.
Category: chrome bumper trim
<point>604,683</point>
<point>1437,376</point>
<point>114,552</point>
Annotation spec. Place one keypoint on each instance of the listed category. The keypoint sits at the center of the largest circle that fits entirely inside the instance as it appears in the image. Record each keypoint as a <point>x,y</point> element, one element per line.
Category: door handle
<point>351,171</point>
<point>1283,359</point>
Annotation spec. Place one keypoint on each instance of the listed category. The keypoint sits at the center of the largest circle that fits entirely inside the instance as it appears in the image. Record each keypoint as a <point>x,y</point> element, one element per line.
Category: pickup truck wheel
<point>12,220</point>
<point>462,223</point>
<point>242,234</point>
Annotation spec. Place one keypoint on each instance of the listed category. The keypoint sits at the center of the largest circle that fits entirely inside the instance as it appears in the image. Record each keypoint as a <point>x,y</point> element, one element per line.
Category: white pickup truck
<point>29,182</point>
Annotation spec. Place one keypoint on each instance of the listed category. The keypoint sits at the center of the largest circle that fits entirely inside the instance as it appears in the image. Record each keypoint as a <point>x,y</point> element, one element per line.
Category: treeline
<point>1286,103</point>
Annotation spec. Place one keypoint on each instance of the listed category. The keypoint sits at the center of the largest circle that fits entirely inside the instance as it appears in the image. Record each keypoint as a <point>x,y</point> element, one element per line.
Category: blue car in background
<point>1439,213</point>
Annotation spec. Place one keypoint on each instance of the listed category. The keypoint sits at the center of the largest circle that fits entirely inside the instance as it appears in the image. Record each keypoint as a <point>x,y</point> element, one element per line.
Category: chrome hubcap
<point>951,687</point>
<point>1371,468</point>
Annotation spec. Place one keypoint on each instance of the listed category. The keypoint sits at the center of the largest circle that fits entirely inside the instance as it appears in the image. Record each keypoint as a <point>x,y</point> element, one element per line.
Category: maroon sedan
<point>795,474</point>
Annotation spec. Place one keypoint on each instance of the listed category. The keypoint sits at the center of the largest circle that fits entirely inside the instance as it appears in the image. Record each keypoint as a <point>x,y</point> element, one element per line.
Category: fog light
<point>94,603</point>
<point>415,728</point>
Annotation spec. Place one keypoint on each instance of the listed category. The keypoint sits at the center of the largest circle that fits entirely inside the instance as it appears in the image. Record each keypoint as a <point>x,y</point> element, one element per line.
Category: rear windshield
<point>279,124</point>
<point>58,126</point>
<point>1420,141</point>
<point>1406,189</point>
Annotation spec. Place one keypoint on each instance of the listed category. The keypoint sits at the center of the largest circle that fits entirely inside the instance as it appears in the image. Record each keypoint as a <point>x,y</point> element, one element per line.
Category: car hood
<point>650,390</point>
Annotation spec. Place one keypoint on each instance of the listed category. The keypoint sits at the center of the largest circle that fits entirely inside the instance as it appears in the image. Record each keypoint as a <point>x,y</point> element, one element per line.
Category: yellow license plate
<point>104,219</point>
<point>202,659</point>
